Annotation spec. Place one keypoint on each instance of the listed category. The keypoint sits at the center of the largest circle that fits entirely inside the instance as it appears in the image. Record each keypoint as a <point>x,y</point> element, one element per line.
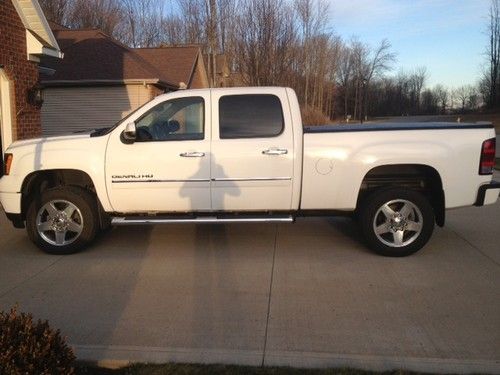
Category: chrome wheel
<point>59,222</point>
<point>398,223</point>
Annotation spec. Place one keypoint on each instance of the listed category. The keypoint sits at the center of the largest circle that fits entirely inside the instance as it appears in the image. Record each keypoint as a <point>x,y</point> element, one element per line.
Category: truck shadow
<point>183,284</point>
<point>218,190</point>
<point>211,299</point>
<point>349,228</point>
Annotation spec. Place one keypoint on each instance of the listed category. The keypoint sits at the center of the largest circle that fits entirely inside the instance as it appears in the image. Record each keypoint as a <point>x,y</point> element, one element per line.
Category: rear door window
<point>250,116</point>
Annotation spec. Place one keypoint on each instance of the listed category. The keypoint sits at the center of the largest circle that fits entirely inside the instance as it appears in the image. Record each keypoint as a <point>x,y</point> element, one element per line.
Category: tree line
<point>489,84</point>
<point>406,94</point>
<point>275,42</point>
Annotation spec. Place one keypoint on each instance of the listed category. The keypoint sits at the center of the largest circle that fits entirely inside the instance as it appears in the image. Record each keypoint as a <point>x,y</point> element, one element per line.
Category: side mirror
<point>129,134</point>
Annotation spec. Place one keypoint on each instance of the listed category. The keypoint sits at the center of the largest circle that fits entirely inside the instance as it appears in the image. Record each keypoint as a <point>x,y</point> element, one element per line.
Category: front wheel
<point>62,220</point>
<point>397,222</point>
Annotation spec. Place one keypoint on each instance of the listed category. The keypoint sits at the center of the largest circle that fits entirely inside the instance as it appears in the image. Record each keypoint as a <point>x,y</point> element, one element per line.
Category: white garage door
<point>69,109</point>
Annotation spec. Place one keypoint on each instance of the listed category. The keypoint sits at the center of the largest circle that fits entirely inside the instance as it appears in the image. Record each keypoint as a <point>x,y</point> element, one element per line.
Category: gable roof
<point>91,56</point>
<point>40,39</point>
<point>177,63</point>
<point>54,26</point>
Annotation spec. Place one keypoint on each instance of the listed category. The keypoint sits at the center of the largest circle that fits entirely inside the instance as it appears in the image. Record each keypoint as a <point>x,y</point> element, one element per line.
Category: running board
<point>152,220</point>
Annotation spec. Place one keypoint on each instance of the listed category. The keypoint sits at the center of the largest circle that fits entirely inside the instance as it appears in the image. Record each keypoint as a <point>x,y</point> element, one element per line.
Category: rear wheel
<point>62,220</point>
<point>397,222</point>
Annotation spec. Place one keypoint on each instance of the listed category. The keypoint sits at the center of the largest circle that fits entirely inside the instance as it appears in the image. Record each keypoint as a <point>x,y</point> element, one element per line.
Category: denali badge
<point>132,176</point>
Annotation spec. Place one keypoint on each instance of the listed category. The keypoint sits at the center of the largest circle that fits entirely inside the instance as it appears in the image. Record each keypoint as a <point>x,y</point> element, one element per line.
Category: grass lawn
<point>185,369</point>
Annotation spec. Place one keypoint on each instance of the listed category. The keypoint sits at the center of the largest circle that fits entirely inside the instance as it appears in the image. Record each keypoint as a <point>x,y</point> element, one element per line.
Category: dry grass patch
<point>191,369</point>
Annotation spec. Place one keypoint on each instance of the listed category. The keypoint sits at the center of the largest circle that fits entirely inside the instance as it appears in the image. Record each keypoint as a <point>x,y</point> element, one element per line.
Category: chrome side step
<point>153,220</point>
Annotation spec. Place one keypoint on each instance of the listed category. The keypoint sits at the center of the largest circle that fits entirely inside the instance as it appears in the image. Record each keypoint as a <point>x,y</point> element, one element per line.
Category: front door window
<point>173,120</point>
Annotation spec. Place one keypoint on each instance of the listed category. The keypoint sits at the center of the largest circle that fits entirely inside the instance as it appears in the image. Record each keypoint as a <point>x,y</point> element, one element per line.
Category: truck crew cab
<point>242,155</point>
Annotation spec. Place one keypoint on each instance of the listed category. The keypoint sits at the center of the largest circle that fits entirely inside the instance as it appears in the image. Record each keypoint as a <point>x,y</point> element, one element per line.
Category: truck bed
<point>338,157</point>
<point>340,128</point>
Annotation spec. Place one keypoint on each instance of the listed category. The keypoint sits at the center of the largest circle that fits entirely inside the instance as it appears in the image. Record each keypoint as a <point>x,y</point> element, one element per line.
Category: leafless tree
<point>473,97</point>
<point>462,95</point>
<point>442,96</point>
<point>212,39</point>
<point>142,24</point>
<point>101,14</point>
<point>403,93</point>
<point>280,42</point>
<point>265,33</point>
<point>429,102</point>
<point>209,23</point>
<point>417,83</point>
<point>331,76</point>
<point>55,10</point>
<point>192,14</point>
<point>369,64</point>
<point>345,73</point>
<point>493,51</point>
<point>313,19</point>
<point>227,11</point>
<point>484,87</point>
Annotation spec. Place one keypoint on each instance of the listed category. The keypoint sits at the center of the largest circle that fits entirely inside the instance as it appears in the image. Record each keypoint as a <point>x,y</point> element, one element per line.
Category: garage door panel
<point>70,109</point>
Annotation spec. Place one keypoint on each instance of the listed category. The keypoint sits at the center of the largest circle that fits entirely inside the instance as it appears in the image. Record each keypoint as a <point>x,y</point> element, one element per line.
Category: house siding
<point>69,109</point>
<point>22,73</point>
<point>199,79</point>
<point>154,91</point>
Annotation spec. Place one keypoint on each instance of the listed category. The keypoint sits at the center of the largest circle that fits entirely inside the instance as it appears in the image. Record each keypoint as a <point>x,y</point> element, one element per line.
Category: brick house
<point>100,73</point>
<point>25,37</point>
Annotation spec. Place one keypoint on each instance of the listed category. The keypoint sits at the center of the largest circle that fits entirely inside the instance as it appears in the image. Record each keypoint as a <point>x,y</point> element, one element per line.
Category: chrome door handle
<point>192,154</point>
<point>275,151</point>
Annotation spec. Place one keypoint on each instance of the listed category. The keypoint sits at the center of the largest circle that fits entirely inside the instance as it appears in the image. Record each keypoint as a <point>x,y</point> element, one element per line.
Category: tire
<point>62,220</point>
<point>396,222</point>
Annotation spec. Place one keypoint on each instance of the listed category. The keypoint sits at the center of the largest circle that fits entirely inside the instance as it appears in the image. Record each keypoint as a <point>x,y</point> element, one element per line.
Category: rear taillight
<point>487,157</point>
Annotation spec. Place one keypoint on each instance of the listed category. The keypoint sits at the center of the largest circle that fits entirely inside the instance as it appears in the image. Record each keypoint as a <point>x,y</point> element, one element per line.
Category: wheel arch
<point>38,181</point>
<point>420,177</point>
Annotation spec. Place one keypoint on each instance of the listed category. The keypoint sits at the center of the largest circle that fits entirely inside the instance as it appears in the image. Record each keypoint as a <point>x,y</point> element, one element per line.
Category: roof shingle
<point>91,55</point>
<point>177,63</point>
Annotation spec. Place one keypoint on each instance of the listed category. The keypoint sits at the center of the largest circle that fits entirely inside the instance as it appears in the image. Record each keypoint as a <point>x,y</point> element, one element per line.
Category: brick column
<point>22,73</point>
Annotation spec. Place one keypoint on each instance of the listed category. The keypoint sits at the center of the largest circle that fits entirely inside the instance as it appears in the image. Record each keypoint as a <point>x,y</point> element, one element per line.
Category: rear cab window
<point>250,116</point>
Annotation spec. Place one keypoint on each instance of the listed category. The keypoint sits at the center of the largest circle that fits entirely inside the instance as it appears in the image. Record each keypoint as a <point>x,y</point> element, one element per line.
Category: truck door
<point>167,169</point>
<point>252,150</point>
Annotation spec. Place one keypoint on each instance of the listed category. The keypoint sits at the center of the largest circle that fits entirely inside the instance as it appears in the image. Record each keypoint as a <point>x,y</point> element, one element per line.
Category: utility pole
<point>212,42</point>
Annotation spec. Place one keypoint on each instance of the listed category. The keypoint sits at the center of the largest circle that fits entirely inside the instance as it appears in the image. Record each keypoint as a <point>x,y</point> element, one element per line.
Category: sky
<point>446,36</point>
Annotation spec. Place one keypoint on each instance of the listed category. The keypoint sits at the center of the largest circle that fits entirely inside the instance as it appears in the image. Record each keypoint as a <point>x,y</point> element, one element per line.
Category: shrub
<point>28,347</point>
<point>313,116</point>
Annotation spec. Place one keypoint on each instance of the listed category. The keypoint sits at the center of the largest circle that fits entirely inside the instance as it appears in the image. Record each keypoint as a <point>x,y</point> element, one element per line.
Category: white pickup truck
<point>242,155</point>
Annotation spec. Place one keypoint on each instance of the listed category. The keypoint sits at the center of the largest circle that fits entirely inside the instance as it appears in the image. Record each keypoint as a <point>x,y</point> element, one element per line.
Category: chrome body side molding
<point>153,220</point>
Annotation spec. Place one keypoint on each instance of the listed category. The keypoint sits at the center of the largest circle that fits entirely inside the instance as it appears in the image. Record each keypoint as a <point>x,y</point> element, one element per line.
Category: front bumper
<point>11,202</point>
<point>488,193</point>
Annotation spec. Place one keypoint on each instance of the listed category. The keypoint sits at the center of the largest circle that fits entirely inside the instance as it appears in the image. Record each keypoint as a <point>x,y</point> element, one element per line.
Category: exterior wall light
<point>35,96</point>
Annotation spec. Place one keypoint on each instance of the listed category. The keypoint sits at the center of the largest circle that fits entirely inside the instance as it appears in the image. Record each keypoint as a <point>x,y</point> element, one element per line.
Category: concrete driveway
<point>306,294</point>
